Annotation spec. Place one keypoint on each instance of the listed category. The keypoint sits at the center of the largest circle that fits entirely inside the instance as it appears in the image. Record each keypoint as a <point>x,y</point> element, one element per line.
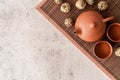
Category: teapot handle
<point>108,19</point>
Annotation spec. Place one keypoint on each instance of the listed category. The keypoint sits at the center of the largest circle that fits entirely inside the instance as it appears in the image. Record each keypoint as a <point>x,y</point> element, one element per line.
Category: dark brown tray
<point>51,11</point>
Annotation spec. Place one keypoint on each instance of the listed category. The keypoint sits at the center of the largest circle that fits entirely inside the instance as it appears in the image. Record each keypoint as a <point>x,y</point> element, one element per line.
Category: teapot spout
<point>77,31</point>
<point>74,31</point>
<point>108,19</point>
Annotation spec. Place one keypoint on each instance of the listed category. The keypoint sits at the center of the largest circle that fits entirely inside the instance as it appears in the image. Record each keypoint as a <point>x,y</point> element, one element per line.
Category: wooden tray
<point>51,11</point>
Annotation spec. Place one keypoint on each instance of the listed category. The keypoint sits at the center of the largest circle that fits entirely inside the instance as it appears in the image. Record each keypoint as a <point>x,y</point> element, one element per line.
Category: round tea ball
<point>65,7</point>
<point>117,52</point>
<point>58,1</point>
<point>80,4</point>
<point>90,2</point>
<point>102,5</point>
<point>68,22</point>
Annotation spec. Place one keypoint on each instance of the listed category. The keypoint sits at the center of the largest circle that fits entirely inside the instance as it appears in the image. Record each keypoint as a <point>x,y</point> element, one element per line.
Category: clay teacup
<point>113,32</point>
<point>103,49</point>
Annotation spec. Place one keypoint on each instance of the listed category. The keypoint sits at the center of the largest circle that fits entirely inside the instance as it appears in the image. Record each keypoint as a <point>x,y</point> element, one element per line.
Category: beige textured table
<point>32,49</point>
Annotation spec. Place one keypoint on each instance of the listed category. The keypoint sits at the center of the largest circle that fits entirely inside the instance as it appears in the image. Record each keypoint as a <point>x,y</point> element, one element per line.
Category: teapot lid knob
<point>92,25</point>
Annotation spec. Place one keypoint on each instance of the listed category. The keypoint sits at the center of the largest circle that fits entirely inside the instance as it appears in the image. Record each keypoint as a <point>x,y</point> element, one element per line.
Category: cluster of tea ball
<point>80,4</point>
<point>65,8</point>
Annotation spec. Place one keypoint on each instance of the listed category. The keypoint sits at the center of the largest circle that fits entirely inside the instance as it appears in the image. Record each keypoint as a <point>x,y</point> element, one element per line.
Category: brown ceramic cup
<point>103,49</point>
<point>113,32</point>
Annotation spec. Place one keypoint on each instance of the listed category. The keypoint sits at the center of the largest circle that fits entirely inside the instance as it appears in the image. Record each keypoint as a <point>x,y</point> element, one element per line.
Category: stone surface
<point>32,49</point>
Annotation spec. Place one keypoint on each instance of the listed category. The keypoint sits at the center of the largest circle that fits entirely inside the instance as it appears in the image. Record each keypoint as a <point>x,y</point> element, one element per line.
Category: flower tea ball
<point>80,4</point>
<point>90,2</point>
<point>68,22</point>
<point>102,5</point>
<point>117,52</point>
<point>65,7</point>
<point>58,1</point>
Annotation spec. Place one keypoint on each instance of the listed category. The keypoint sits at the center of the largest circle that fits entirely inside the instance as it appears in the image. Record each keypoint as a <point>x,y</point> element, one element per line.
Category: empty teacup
<point>103,49</point>
<point>113,32</point>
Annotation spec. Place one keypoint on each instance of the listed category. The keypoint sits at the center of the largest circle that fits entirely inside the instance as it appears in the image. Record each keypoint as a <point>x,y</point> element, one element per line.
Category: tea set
<point>90,26</point>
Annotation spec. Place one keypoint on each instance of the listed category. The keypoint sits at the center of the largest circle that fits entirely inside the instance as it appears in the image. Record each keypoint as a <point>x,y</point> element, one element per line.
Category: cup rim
<point>108,34</point>
<point>111,49</point>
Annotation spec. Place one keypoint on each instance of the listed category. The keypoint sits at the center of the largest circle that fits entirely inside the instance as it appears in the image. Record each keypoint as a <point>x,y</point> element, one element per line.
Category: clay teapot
<point>90,26</point>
